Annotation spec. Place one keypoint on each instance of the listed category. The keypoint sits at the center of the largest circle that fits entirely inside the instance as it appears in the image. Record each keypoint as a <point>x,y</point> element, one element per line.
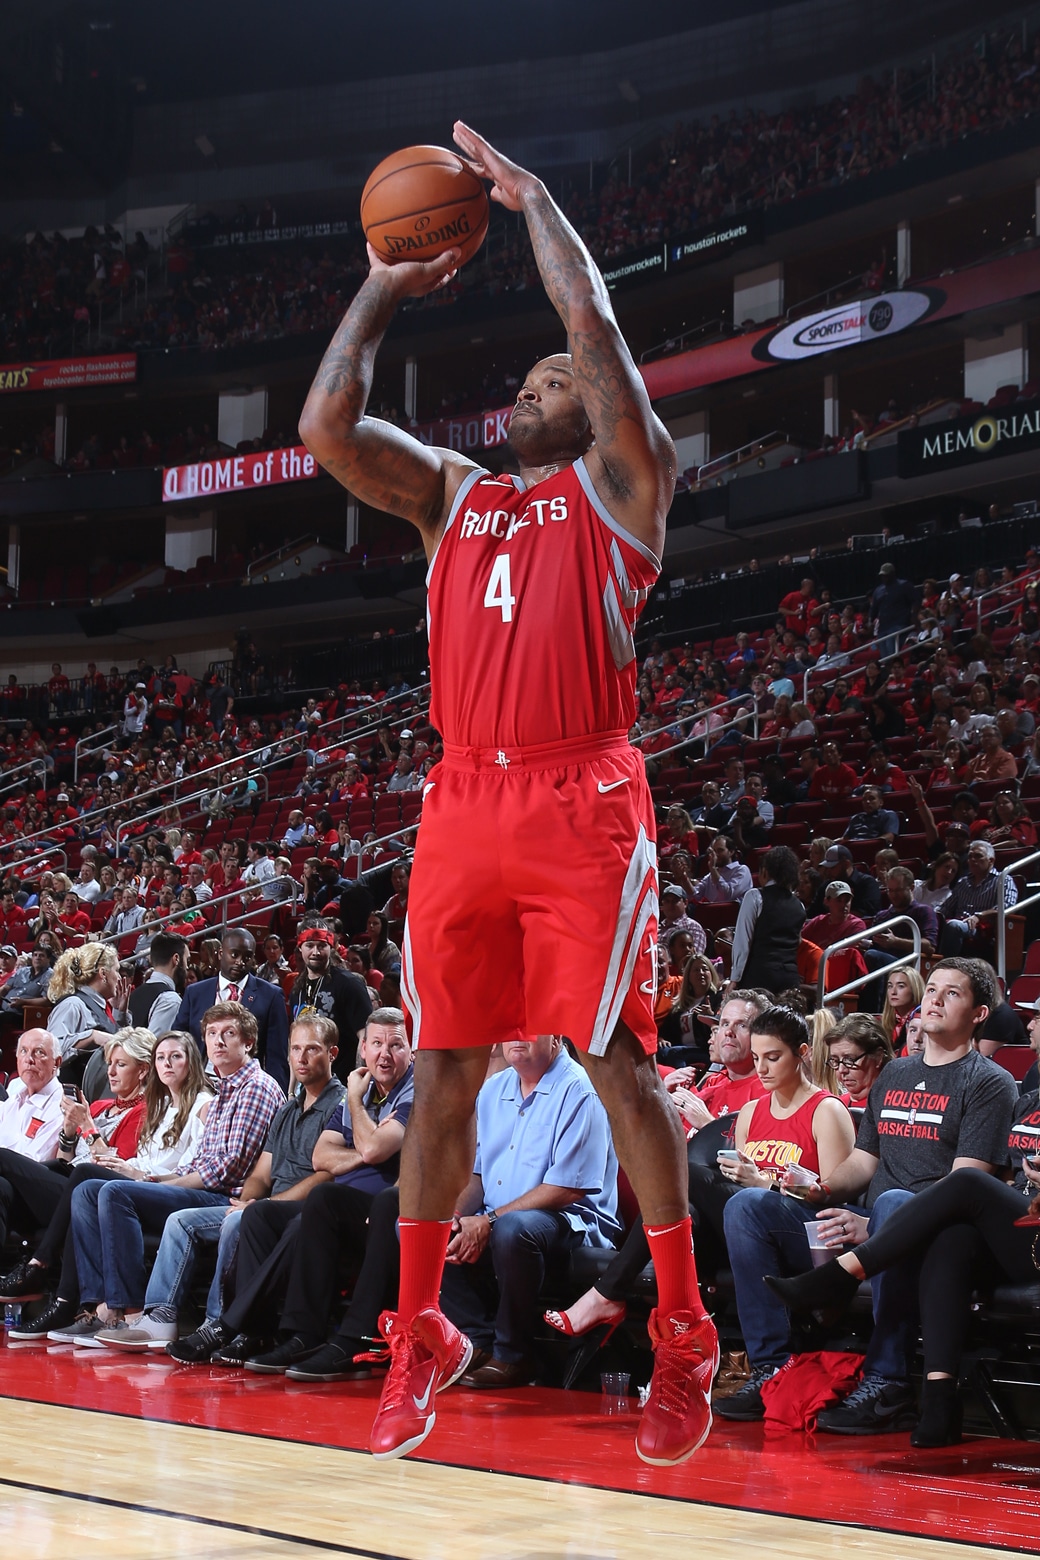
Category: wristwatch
<point>490,1215</point>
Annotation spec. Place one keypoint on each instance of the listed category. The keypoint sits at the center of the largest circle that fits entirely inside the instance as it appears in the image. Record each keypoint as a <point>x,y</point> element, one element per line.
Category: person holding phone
<point>970,1227</point>
<point>795,1125</point>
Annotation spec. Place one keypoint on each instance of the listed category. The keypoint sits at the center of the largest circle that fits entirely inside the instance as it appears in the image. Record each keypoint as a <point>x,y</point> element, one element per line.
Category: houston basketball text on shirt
<point>912,1114</point>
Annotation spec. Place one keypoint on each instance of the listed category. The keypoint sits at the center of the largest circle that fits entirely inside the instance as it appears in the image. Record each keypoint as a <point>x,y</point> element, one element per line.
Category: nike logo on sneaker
<point>603,789</point>
<point>422,1403</point>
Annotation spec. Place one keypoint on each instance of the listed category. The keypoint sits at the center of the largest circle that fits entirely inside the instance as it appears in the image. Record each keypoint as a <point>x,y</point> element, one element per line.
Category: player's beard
<point>537,440</point>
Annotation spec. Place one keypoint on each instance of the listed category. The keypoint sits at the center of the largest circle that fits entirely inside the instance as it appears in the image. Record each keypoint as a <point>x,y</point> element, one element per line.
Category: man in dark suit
<point>237,983</point>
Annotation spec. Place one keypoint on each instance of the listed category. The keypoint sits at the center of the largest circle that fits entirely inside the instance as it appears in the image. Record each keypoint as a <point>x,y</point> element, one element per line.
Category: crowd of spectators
<point>786,766</point>
<point>58,295</point>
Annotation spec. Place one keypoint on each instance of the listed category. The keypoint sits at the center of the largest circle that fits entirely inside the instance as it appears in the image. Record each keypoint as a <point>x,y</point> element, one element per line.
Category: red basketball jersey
<point>533,596</point>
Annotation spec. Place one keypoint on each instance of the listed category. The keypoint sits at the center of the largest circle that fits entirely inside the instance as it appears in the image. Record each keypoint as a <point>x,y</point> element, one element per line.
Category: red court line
<point>983,1492</point>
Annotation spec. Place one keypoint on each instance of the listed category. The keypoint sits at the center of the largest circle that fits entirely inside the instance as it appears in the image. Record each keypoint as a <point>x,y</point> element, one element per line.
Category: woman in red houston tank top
<point>794,1123</point>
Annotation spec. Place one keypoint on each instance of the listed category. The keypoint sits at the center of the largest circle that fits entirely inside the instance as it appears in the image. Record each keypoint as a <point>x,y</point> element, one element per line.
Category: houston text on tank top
<point>773,1142</point>
<point>533,597</point>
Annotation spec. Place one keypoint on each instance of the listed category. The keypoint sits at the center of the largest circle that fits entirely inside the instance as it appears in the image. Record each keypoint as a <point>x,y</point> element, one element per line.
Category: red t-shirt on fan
<point>533,596</point>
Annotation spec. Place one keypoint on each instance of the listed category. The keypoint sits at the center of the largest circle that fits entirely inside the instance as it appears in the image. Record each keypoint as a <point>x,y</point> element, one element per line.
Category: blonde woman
<point>904,989</point>
<point>689,1024</point>
<point>820,1026</point>
<point>91,1137</point>
<point>90,998</point>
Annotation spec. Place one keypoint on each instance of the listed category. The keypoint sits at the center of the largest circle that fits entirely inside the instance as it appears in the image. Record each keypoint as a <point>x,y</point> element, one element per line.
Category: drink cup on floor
<point>614,1385</point>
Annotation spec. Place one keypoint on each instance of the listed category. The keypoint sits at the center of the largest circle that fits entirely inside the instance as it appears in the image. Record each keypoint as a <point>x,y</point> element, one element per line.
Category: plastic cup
<point>819,1252</point>
<point>614,1386</point>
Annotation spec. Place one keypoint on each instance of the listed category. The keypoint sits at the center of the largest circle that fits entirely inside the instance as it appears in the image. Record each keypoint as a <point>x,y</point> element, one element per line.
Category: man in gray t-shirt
<point>944,1110</point>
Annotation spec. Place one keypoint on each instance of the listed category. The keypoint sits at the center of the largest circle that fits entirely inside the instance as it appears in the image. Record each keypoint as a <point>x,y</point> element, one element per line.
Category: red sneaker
<point>677,1416</point>
<point>425,1357</point>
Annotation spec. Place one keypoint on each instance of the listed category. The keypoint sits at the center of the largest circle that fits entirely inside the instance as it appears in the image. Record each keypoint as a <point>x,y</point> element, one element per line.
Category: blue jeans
<point>765,1233</point>
<point>495,1299</point>
<point>891,1349</point>
<point>186,1232</point>
<point>108,1233</point>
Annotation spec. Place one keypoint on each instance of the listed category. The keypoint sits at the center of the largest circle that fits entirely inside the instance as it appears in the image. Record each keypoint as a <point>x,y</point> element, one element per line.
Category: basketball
<point>420,202</point>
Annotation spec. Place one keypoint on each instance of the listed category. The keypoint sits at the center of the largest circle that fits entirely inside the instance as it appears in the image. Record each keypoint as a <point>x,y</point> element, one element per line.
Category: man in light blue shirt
<point>544,1181</point>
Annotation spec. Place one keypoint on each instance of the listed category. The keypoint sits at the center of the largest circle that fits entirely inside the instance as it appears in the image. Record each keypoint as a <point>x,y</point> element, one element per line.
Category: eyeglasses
<point>847,1063</point>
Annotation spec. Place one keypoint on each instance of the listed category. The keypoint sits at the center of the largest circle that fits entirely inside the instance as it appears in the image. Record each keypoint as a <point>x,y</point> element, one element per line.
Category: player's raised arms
<point>381,465</point>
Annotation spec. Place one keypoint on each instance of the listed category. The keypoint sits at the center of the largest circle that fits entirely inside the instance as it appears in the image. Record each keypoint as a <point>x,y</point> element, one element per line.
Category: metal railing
<point>745,702</point>
<point>1003,910</point>
<point>1002,600</point>
<point>294,743</point>
<point>42,856</point>
<point>178,802</point>
<point>259,564</point>
<point>743,452</point>
<point>904,961</point>
<point>89,745</point>
<point>9,783</point>
<point>242,893</point>
<point>843,673</point>
<point>207,928</point>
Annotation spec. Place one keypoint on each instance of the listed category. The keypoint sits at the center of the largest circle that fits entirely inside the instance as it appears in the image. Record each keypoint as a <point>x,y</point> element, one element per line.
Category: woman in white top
<point>934,888</point>
<point>177,1096</point>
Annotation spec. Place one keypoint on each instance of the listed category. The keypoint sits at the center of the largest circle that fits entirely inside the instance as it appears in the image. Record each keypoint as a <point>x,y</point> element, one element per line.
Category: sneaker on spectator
<point>94,1340</point>
<point>345,1359</point>
<point>677,1416</point>
<point>58,1314</point>
<point>86,1324</point>
<point>198,1347</point>
<point>26,1281</point>
<point>241,1348</point>
<point>875,1407</point>
<point>426,1356</point>
<point>276,1361</point>
<point>147,1334</point>
<point>746,1402</point>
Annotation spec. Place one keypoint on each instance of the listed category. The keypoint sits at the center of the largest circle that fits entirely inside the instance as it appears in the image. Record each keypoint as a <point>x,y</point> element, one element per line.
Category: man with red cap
<point>337,994</point>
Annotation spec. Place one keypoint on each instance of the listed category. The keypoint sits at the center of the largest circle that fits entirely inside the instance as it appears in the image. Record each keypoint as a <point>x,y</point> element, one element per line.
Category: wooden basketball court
<point>136,1456</point>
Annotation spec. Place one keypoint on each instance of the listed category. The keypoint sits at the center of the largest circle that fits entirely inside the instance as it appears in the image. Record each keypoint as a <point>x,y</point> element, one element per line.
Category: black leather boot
<point>942,1414</point>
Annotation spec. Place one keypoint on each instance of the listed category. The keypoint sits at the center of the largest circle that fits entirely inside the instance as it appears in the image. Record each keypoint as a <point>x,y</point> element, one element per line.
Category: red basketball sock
<point>671,1247</point>
<point>423,1244</point>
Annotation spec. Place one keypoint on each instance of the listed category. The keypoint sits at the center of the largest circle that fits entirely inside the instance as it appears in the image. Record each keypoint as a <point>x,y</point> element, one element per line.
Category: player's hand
<point>416,278</point>
<point>508,180</point>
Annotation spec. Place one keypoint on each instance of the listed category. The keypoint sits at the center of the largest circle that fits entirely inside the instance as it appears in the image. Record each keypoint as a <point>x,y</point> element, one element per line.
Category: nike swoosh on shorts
<point>603,789</point>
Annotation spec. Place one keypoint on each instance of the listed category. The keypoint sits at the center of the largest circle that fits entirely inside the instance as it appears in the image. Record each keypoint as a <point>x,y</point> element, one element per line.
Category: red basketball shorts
<point>532,907</point>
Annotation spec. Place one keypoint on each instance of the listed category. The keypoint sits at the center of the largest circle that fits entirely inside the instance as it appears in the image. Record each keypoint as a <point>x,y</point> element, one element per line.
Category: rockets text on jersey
<point>533,597</point>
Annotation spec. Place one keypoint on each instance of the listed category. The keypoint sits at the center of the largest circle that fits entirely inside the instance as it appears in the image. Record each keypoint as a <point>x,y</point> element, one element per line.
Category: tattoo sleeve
<point>611,388</point>
<point>379,463</point>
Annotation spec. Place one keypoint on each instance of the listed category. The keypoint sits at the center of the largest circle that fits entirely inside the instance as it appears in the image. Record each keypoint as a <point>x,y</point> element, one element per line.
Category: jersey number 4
<point>498,593</point>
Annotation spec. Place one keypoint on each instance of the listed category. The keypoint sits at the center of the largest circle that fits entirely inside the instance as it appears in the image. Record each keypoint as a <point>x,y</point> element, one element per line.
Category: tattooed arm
<point>632,462</point>
<point>380,464</point>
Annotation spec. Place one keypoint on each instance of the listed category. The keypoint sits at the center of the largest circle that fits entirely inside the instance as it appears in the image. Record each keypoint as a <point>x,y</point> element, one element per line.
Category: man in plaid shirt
<point>108,1230</point>
<point>970,910</point>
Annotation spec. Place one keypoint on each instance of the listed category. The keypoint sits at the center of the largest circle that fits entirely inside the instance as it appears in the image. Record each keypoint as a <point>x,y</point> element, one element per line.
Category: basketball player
<point>533,899</point>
